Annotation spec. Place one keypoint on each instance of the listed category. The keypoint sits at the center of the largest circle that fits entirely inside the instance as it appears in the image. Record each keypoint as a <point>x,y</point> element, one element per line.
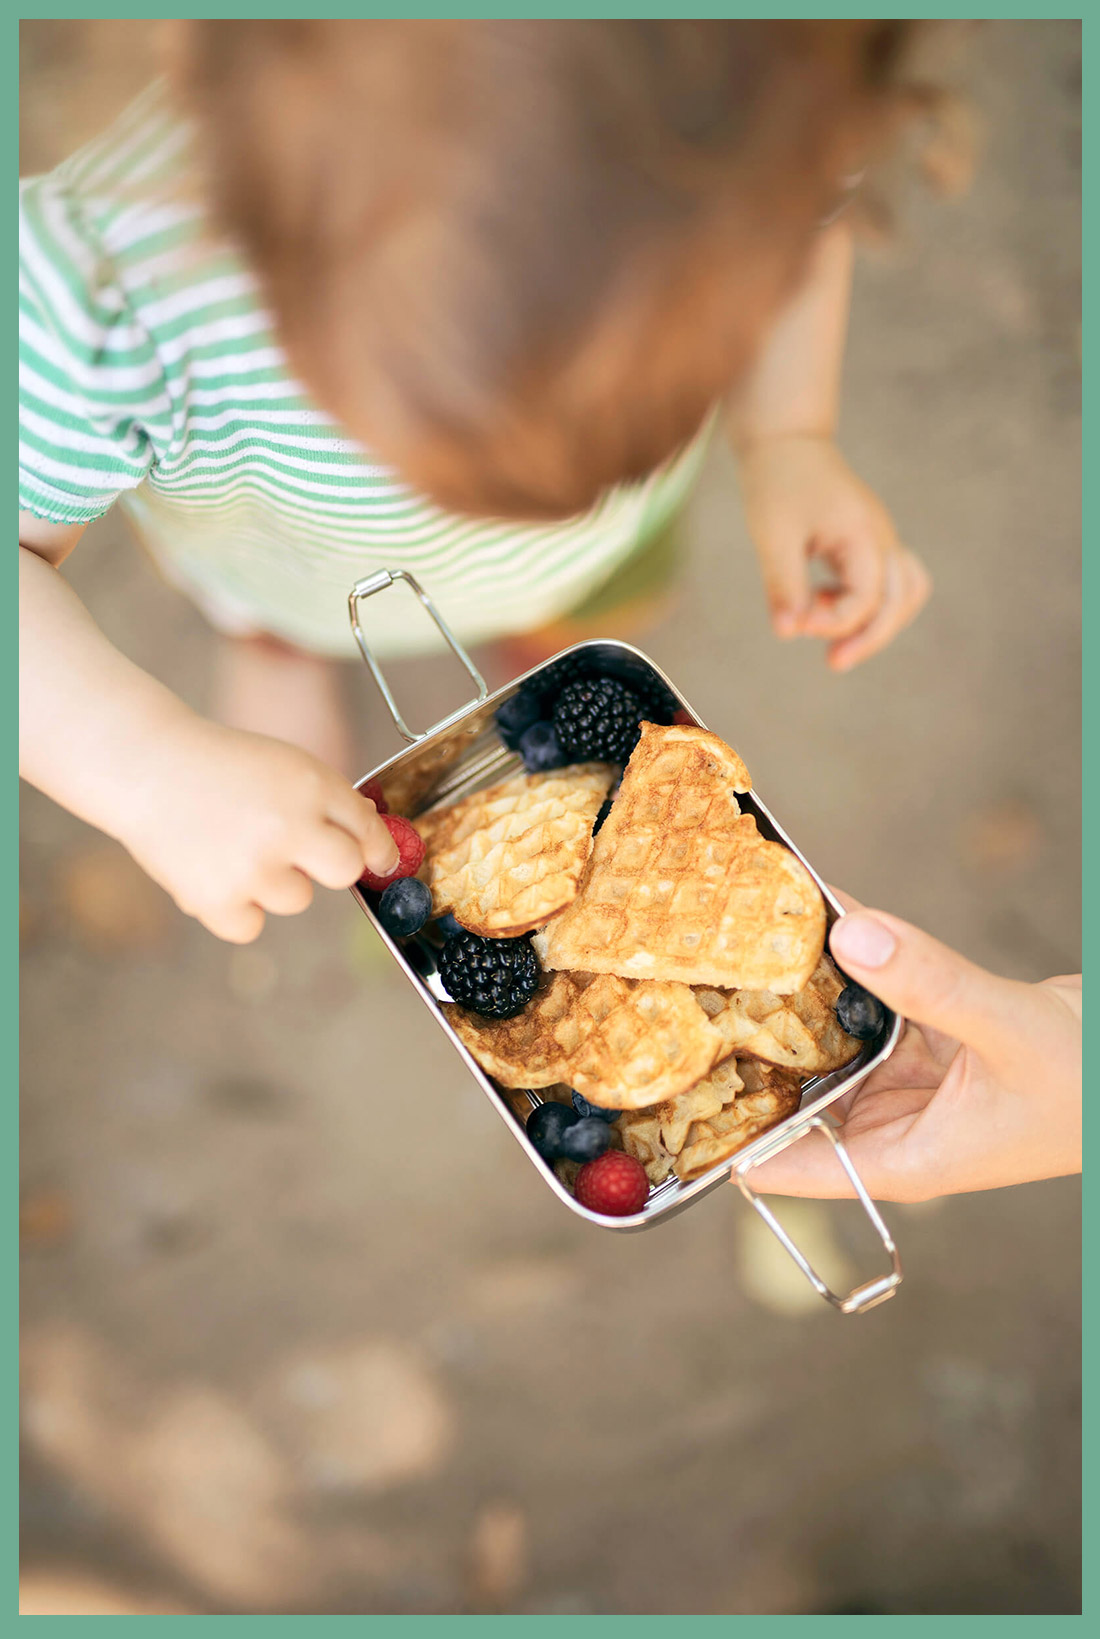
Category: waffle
<point>699,1103</point>
<point>640,1132</point>
<point>534,1049</point>
<point>711,1121</point>
<point>622,1043</point>
<point>505,859</point>
<point>655,1136</point>
<point>799,1032</point>
<point>680,884</point>
<point>769,1096</point>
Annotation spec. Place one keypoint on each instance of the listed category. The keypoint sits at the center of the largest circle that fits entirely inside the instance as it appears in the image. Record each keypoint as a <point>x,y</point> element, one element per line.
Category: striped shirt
<point>150,374</point>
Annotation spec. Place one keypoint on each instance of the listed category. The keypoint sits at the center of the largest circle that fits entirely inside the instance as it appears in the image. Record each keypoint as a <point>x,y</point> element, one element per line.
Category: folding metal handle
<point>860,1298</point>
<point>378,582</point>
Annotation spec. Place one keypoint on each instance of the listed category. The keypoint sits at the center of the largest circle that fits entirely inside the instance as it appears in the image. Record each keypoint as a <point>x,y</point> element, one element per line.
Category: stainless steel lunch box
<point>463,753</point>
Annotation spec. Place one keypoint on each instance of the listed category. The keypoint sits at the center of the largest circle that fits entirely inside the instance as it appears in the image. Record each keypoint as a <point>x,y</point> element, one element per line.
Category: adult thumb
<point>926,981</point>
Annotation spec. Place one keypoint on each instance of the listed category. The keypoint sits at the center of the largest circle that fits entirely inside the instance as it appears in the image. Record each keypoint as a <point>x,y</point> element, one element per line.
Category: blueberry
<point>539,748</point>
<point>516,715</point>
<point>859,1013</point>
<point>546,1127</point>
<point>404,907</point>
<point>584,1109</point>
<point>585,1140</point>
<point>447,926</point>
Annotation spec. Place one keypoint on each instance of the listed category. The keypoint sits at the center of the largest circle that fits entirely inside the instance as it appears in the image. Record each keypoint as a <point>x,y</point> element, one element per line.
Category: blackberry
<point>859,1013</point>
<point>494,977</point>
<point>597,719</point>
<point>540,693</point>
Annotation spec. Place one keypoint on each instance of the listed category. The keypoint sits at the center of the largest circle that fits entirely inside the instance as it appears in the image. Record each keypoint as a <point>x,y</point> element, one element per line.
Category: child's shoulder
<point>125,203</point>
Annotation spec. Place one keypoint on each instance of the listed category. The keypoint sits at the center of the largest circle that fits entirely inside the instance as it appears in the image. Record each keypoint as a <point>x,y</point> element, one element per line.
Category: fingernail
<point>857,940</point>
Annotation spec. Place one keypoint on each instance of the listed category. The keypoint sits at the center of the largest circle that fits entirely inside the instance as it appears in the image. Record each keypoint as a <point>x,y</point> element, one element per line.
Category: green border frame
<point>578,1627</point>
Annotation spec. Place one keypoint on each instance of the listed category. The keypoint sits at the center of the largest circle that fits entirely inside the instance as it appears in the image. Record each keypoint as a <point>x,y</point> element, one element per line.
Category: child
<point>518,264</point>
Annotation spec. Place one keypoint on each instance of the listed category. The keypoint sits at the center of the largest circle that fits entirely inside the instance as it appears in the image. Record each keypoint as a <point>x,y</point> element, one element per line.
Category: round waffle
<point>623,1043</point>
<point>505,859</point>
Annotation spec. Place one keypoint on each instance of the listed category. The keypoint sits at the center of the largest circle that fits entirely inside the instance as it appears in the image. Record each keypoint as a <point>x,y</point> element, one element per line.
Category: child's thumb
<point>928,982</point>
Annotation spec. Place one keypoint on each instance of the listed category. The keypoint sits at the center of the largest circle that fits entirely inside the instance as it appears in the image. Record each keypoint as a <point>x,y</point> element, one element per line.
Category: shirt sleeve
<point>91,387</point>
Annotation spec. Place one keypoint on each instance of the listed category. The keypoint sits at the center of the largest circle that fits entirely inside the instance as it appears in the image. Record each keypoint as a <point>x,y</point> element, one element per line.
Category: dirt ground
<point>302,1330</point>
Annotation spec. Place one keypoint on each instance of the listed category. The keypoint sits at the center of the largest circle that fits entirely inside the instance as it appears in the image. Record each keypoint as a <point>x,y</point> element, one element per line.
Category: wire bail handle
<point>860,1298</point>
<point>378,582</point>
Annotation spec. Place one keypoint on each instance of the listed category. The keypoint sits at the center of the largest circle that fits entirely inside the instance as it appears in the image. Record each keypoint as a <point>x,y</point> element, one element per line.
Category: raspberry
<point>373,790</point>
<point>614,1184</point>
<point>411,850</point>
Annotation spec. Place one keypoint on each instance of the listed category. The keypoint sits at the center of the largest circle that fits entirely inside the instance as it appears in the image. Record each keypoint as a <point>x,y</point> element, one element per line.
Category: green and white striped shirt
<point>150,373</point>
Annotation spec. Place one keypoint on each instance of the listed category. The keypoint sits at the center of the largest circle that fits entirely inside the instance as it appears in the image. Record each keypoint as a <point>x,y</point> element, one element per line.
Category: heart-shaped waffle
<point>680,884</point>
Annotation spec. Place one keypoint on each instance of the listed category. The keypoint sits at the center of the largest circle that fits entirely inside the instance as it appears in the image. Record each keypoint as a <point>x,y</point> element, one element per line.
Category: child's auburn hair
<point>523,260</point>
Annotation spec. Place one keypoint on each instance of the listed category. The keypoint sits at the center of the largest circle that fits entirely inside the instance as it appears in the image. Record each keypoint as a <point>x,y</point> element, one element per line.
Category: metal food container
<point>463,753</point>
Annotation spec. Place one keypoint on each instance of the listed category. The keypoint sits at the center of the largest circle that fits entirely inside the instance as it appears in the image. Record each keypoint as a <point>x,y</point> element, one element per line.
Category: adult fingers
<point>880,1155</point>
<point>928,982</point>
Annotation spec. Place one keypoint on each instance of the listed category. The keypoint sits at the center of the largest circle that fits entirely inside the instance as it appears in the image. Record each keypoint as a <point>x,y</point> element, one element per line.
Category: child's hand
<point>983,1090</point>
<point>234,825</point>
<point>802,501</point>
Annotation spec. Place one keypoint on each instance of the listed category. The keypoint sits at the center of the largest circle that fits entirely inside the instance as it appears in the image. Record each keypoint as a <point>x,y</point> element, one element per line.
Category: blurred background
<point>301,1329</point>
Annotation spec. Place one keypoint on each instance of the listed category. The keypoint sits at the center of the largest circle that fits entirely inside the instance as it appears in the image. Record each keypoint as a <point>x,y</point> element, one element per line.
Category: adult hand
<point>983,1090</point>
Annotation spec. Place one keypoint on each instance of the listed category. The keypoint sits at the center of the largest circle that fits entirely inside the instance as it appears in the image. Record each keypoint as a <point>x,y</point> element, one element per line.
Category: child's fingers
<point>332,857</point>
<point>841,611</point>
<point>358,816</point>
<point>905,594</point>
<point>786,576</point>
<point>238,924</point>
<point>285,892</point>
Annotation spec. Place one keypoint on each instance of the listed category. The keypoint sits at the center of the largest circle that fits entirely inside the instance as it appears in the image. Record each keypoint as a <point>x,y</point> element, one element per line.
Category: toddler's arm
<point>231,824</point>
<point>802,500</point>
